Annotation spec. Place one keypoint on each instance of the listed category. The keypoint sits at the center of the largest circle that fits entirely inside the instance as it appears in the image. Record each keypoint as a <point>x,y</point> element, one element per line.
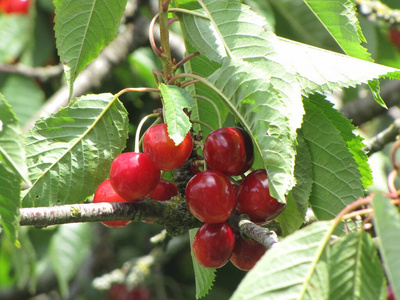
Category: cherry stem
<point>214,105</point>
<point>185,59</point>
<point>141,89</point>
<point>151,36</point>
<point>170,21</point>
<point>353,206</point>
<point>390,182</point>
<point>188,12</point>
<point>186,84</point>
<point>137,135</point>
<point>203,124</point>
<point>393,155</point>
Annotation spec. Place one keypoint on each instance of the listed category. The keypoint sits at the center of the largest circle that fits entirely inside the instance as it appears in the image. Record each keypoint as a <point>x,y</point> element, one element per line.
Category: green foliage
<point>70,153</point>
<point>387,226</point>
<point>175,100</point>
<point>12,169</point>
<point>82,29</point>
<point>261,70</point>
<point>69,246</point>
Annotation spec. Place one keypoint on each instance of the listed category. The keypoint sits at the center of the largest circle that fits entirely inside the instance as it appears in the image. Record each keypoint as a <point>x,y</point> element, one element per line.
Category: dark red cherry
<point>164,190</point>
<point>390,294</point>
<point>394,36</point>
<point>162,149</point>
<point>246,253</point>
<point>210,196</point>
<point>249,150</point>
<point>227,150</point>
<point>213,244</point>
<point>134,176</point>
<point>14,6</point>
<point>254,199</point>
<point>106,193</point>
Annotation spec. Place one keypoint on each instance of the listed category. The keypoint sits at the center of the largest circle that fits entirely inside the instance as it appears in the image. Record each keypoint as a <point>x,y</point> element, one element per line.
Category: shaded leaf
<point>387,227</point>
<point>285,271</point>
<point>68,248</point>
<point>337,180</point>
<point>69,153</point>
<point>12,169</point>
<point>355,269</point>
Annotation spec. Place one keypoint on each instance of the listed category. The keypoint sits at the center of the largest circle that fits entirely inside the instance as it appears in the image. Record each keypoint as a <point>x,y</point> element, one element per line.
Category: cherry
<point>394,36</point>
<point>106,193</point>
<point>254,199</point>
<point>164,190</point>
<point>210,196</point>
<point>389,292</point>
<point>162,149</point>
<point>246,253</point>
<point>134,176</point>
<point>14,6</point>
<point>229,151</point>
<point>213,244</point>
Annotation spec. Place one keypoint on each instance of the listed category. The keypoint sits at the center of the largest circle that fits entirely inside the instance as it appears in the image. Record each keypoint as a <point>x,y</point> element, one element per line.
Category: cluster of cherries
<point>14,6</point>
<point>210,195</point>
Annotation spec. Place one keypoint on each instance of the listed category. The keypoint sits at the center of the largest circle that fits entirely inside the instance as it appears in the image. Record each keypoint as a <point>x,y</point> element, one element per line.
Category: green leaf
<point>23,94</point>
<point>297,255</point>
<point>68,248</point>
<point>82,29</point>
<point>69,153</point>
<point>355,269</point>
<point>259,109</point>
<point>204,276</point>
<point>321,71</point>
<point>337,180</point>
<point>387,227</point>
<point>12,169</point>
<point>175,100</point>
<point>14,34</point>
<point>339,18</point>
<point>346,129</point>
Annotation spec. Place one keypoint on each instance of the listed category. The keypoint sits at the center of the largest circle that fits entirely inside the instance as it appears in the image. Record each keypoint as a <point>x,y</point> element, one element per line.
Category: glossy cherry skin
<point>164,190</point>
<point>254,199</point>
<point>210,196</point>
<point>213,244</point>
<point>134,176</point>
<point>390,295</point>
<point>162,149</point>
<point>246,253</point>
<point>14,6</point>
<point>225,150</point>
<point>249,150</point>
<point>106,193</point>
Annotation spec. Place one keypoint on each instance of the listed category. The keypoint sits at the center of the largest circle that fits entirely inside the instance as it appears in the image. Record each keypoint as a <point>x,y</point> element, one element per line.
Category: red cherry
<point>254,199</point>
<point>246,253</point>
<point>134,176</point>
<point>249,150</point>
<point>389,292</point>
<point>14,6</point>
<point>213,244</point>
<point>227,150</point>
<point>105,193</point>
<point>394,36</point>
<point>210,196</point>
<point>164,190</point>
<point>162,149</point>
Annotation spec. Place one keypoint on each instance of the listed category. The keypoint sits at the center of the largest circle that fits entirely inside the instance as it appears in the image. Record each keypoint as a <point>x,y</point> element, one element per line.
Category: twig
<point>42,73</point>
<point>172,214</point>
<point>385,137</point>
<point>365,109</point>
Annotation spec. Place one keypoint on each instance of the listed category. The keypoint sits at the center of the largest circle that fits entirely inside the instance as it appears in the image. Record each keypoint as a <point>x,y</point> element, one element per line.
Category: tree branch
<point>365,109</point>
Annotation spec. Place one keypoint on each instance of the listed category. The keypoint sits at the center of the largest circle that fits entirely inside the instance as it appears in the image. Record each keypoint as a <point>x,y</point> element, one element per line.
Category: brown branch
<point>365,109</point>
<point>42,73</point>
<point>172,214</point>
